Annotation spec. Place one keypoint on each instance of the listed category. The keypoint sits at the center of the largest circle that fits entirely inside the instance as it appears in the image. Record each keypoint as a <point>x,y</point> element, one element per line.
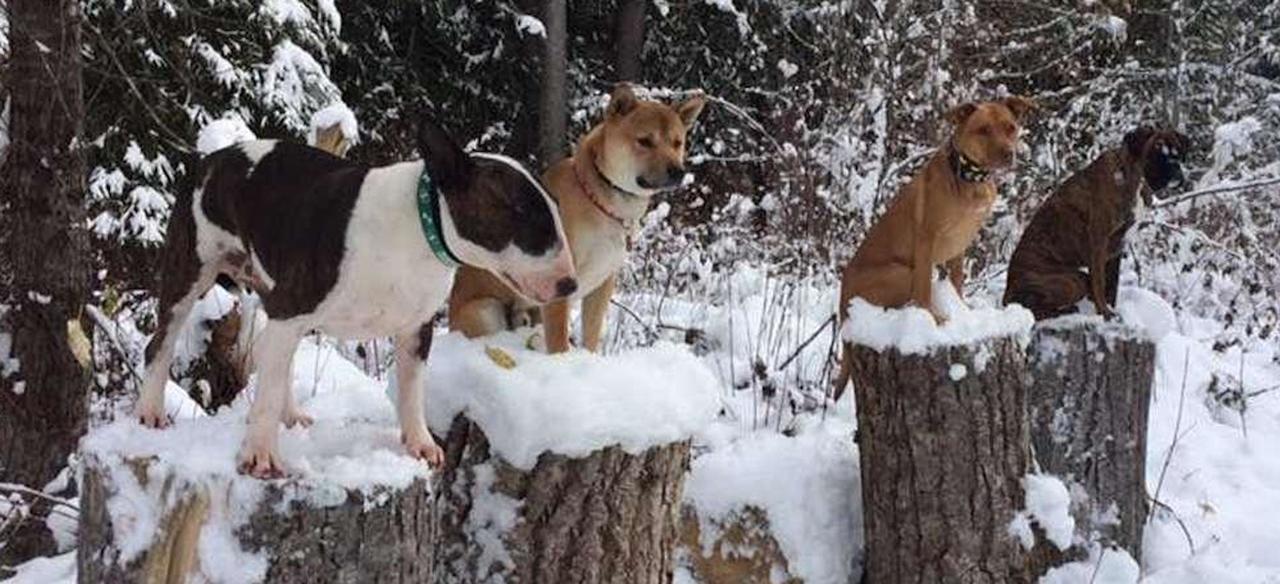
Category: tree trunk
<point>383,535</point>
<point>1091,387</point>
<point>553,102</point>
<point>43,251</point>
<point>607,517</point>
<point>629,39</point>
<point>943,456</point>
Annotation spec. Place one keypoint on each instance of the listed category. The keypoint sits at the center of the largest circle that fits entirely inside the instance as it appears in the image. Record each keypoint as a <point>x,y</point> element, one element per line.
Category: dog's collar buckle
<point>966,169</point>
<point>429,216</point>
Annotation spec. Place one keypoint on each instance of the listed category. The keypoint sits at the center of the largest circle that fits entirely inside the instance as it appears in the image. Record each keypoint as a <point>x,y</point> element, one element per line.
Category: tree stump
<point>1090,391</point>
<point>140,522</point>
<point>609,516</point>
<point>943,444</point>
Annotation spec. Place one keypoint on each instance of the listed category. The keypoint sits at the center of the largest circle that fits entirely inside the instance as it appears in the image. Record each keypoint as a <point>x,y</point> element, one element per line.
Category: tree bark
<point>741,548</point>
<point>1090,391</point>
<point>43,251</point>
<point>606,517</point>
<point>942,462</point>
<point>629,39</point>
<point>553,101</point>
<point>386,535</point>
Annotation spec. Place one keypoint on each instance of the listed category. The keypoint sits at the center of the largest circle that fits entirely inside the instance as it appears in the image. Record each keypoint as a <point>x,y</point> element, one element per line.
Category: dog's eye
<point>678,144</point>
<point>646,141</point>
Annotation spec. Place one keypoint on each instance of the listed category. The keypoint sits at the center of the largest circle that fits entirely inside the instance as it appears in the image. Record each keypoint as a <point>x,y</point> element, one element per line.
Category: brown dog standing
<point>603,190</point>
<point>1083,224</point>
<point>935,217</point>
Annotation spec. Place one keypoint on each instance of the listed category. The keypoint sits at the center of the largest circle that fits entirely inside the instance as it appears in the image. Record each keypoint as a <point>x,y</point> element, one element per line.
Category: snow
<point>912,330</point>
<point>59,569</point>
<point>570,404</point>
<point>334,114</point>
<point>219,134</point>
<point>1103,566</point>
<point>807,485</point>
<point>1048,504</point>
<point>530,25</point>
<point>492,515</point>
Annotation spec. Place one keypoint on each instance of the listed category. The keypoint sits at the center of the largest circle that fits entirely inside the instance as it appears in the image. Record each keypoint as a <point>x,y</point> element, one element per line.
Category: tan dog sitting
<point>603,190</point>
<point>936,216</point>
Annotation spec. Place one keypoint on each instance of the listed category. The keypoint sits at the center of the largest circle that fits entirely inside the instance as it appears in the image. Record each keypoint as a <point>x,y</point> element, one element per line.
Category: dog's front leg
<point>412,349</point>
<point>259,455</point>
<point>1113,279</point>
<point>922,276</point>
<point>555,324</point>
<point>594,308</point>
<point>1097,281</point>
<point>955,272</point>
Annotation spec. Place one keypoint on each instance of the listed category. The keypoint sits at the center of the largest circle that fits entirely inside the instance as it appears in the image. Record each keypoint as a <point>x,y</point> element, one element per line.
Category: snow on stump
<point>943,442</point>
<point>1091,387</point>
<point>169,506</point>
<point>563,468</point>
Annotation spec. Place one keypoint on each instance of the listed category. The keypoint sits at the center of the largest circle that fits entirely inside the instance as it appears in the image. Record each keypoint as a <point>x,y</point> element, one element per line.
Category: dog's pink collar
<point>595,200</point>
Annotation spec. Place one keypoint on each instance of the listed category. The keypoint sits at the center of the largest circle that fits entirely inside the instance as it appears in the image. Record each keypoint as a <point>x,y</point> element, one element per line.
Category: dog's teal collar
<point>966,169</point>
<point>429,215</point>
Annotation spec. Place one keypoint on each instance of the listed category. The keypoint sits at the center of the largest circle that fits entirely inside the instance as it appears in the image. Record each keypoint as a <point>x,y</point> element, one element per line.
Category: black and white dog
<point>351,251</point>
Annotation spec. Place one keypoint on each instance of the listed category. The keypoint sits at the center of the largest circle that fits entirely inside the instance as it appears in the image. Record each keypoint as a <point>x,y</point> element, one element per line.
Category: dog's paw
<point>421,445</point>
<point>259,462</point>
<point>151,415</point>
<point>297,417</point>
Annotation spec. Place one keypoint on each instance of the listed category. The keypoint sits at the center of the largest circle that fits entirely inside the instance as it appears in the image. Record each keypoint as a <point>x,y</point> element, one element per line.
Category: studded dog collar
<point>966,169</point>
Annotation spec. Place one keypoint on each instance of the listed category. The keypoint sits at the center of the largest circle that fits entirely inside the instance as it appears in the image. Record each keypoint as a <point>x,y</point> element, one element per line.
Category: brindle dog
<point>1082,226</point>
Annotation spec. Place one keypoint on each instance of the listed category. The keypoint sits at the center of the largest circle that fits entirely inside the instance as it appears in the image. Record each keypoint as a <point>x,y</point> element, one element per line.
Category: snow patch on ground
<point>572,403</point>
<point>913,330</point>
<point>1103,566</point>
<point>807,485</point>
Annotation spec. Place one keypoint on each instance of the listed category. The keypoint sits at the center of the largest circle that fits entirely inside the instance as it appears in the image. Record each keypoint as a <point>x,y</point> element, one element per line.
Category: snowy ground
<point>776,446</point>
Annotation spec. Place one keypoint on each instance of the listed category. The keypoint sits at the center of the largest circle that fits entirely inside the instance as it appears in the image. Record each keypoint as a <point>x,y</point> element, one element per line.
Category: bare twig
<point>1215,190</point>
<point>806,342</point>
<point>1177,425</point>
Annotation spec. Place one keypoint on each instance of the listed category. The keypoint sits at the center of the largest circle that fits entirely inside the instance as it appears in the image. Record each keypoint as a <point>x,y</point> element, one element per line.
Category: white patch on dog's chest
<point>597,254</point>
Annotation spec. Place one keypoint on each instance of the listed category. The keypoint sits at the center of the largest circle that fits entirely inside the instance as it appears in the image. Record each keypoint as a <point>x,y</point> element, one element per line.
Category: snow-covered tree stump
<point>1091,385</point>
<point>564,468</point>
<point>943,442</point>
<point>384,534</point>
<point>169,506</point>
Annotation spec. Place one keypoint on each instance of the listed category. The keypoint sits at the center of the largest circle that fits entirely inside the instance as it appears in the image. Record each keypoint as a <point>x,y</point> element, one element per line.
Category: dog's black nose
<point>675,175</point>
<point>566,286</point>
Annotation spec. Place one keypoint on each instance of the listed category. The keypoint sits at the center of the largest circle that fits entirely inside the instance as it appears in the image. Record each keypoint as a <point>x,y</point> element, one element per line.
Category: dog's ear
<point>1020,106</point>
<point>957,115</point>
<point>690,108</point>
<point>1136,141</point>
<point>621,101</point>
<point>447,164</point>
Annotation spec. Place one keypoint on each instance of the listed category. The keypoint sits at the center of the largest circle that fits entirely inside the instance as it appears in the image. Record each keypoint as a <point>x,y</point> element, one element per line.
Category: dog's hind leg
<point>184,279</point>
<point>1052,294</point>
<point>479,318</point>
